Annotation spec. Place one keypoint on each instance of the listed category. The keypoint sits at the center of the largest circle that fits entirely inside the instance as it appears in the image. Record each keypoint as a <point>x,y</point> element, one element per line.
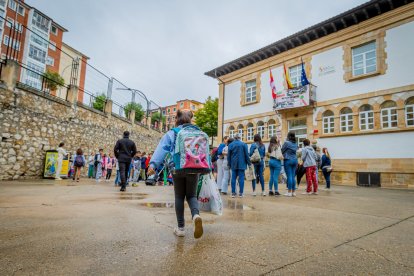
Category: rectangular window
<point>240,133</point>
<point>50,61</point>
<point>9,22</point>
<point>12,5</point>
<point>20,10</point>
<point>249,133</point>
<point>193,107</point>
<point>163,112</point>
<point>41,22</point>
<point>272,131</point>
<point>52,45</point>
<point>169,110</point>
<point>2,4</point>
<point>368,179</point>
<point>366,120</point>
<point>347,123</point>
<point>54,30</point>
<point>14,43</point>
<point>364,59</point>
<point>181,105</point>
<point>328,124</point>
<point>251,91</point>
<point>175,109</point>
<point>33,76</point>
<point>389,117</point>
<point>295,73</point>
<point>37,54</point>
<point>231,133</point>
<point>261,131</point>
<point>409,115</point>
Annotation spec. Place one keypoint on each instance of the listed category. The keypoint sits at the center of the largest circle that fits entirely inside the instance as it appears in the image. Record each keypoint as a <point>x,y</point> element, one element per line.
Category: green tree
<point>53,80</point>
<point>207,117</point>
<point>99,102</point>
<point>139,111</point>
<point>156,117</point>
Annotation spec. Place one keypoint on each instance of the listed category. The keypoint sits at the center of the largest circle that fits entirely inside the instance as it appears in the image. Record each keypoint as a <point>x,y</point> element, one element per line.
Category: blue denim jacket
<point>238,156</point>
<point>165,146</point>
<point>262,150</point>
<point>289,150</point>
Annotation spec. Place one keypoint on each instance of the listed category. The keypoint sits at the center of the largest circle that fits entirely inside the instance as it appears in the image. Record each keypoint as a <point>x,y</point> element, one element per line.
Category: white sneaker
<point>58,178</point>
<point>263,193</point>
<point>254,194</point>
<point>288,194</point>
<point>293,194</point>
<point>306,193</point>
<point>241,196</point>
<point>179,231</point>
<point>198,226</point>
<point>315,193</point>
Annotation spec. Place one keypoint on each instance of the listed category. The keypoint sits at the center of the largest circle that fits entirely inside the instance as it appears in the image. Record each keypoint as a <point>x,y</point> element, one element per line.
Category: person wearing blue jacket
<point>289,150</point>
<point>326,166</point>
<point>258,166</point>
<point>237,161</point>
<point>185,185</point>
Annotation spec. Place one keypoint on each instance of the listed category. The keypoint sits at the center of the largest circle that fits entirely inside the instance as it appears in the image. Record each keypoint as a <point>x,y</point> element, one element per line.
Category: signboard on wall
<point>51,165</point>
<point>293,98</point>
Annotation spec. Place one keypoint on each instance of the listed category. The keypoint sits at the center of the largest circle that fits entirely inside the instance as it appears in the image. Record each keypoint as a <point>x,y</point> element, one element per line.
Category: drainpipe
<point>224,96</point>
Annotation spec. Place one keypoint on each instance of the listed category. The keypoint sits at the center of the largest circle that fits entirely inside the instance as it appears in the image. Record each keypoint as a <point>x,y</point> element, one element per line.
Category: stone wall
<point>32,123</point>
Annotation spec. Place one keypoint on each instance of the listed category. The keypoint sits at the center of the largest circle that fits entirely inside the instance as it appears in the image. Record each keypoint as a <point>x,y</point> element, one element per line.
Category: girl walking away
<point>275,164</point>
<point>226,170</point>
<point>326,167</point>
<point>98,165</point>
<point>78,163</point>
<point>104,164</point>
<point>257,154</point>
<point>309,163</point>
<point>185,178</point>
<point>110,163</point>
<point>289,149</point>
<point>118,174</point>
<point>61,154</point>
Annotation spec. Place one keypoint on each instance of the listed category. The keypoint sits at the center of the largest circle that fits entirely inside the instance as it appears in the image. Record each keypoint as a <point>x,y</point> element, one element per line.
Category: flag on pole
<point>288,82</point>
<point>272,85</point>
<point>303,79</point>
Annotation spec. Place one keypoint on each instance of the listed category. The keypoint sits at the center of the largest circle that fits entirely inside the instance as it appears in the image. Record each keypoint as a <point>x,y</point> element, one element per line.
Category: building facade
<point>185,105</point>
<point>361,101</point>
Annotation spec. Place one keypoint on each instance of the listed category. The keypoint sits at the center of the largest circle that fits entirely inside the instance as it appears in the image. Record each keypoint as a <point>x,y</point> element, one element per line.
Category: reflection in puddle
<point>236,205</point>
<point>131,196</point>
<point>158,204</point>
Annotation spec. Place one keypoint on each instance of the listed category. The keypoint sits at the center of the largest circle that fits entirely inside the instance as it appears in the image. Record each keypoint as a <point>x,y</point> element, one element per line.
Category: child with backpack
<point>78,163</point>
<point>188,149</point>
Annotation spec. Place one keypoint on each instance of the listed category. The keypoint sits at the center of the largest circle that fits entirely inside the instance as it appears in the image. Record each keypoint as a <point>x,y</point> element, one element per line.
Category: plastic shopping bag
<point>249,173</point>
<point>209,199</point>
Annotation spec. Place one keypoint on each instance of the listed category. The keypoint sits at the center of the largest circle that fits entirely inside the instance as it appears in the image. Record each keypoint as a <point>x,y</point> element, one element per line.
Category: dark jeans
<point>300,172</point>
<point>258,170</point>
<point>185,187</point>
<point>123,170</point>
<point>108,174</point>
<point>327,176</point>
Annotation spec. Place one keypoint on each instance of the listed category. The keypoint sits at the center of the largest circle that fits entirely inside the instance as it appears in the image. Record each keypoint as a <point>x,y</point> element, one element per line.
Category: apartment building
<point>186,105</point>
<point>360,100</point>
<point>38,48</point>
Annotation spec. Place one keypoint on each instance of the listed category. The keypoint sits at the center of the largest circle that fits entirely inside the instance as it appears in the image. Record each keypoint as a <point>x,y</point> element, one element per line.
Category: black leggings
<point>185,187</point>
<point>108,174</point>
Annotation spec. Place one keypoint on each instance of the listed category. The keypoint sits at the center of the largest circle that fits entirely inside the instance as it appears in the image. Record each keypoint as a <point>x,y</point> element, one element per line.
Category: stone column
<point>72,95</point>
<point>108,107</point>
<point>132,116</point>
<point>9,74</point>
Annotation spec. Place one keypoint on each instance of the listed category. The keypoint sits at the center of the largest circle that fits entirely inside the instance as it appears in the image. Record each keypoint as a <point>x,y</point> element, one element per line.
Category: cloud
<point>164,47</point>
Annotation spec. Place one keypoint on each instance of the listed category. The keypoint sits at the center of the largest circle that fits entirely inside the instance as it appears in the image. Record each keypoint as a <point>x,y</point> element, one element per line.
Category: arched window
<point>409,112</point>
<point>250,131</point>
<point>271,128</point>
<point>328,122</point>
<point>389,117</point>
<point>261,129</point>
<point>240,132</point>
<point>346,119</point>
<point>231,132</point>
<point>366,117</point>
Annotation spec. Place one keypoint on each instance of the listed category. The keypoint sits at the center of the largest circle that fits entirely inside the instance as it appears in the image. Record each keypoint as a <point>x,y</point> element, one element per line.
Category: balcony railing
<point>294,98</point>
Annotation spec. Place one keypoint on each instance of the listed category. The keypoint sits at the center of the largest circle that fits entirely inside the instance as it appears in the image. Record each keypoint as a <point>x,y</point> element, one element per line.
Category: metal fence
<point>94,86</point>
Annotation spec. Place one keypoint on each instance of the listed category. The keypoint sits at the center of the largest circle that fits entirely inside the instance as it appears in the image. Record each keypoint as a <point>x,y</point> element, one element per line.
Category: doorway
<point>299,127</point>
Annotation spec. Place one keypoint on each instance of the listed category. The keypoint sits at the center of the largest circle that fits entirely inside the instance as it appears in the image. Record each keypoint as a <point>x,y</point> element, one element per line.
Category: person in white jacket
<point>61,154</point>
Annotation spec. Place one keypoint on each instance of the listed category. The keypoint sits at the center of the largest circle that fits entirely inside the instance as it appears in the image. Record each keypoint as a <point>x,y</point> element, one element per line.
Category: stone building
<point>361,101</point>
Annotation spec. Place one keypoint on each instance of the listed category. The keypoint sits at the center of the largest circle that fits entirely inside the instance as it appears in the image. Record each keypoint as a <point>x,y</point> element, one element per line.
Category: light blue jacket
<point>308,156</point>
<point>165,146</point>
<point>262,150</point>
<point>238,156</point>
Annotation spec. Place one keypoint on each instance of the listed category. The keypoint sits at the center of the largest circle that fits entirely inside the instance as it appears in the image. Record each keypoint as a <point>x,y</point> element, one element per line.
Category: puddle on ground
<point>131,196</point>
<point>229,204</point>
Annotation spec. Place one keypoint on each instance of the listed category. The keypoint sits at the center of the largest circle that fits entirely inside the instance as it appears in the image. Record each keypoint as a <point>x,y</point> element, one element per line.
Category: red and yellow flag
<point>288,82</point>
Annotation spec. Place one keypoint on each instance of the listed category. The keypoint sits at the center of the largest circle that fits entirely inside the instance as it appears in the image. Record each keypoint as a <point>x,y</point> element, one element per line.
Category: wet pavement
<point>50,228</point>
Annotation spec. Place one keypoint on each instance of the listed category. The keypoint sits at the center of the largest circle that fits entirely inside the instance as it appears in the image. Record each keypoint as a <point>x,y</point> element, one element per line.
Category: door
<point>299,127</point>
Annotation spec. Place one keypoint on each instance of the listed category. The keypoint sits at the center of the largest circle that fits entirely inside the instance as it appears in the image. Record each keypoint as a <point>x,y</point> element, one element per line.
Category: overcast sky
<point>164,47</point>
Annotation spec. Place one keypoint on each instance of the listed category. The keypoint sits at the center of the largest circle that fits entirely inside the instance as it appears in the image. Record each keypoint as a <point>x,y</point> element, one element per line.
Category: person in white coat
<point>61,154</point>
<point>220,160</point>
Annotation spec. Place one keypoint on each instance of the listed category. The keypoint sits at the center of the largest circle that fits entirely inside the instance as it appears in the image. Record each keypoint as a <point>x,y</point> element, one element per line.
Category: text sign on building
<point>293,98</point>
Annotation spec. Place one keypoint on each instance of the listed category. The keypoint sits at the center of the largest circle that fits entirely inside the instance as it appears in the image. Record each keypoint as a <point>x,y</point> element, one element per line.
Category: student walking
<point>220,161</point>
<point>98,165</point>
<point>143,166</point>
<point>124,150</point>
<point>326,167</point>
<point>135,168</point>
<point>275,164</point>
<point>91,165</point>
<point>238,160</point>
<point>78,163</point>
<point>289,149</point>
<point>257,154</point>
<point>309,163</point>
<point>118,175</point>
<point>185,184</point>
<point>61,154</point>
<point>224,185</point>
<point>110,164</point>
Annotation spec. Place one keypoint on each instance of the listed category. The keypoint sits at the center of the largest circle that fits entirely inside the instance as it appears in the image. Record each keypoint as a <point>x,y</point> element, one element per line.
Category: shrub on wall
<point>139,111</point>
<point>99,102</point>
